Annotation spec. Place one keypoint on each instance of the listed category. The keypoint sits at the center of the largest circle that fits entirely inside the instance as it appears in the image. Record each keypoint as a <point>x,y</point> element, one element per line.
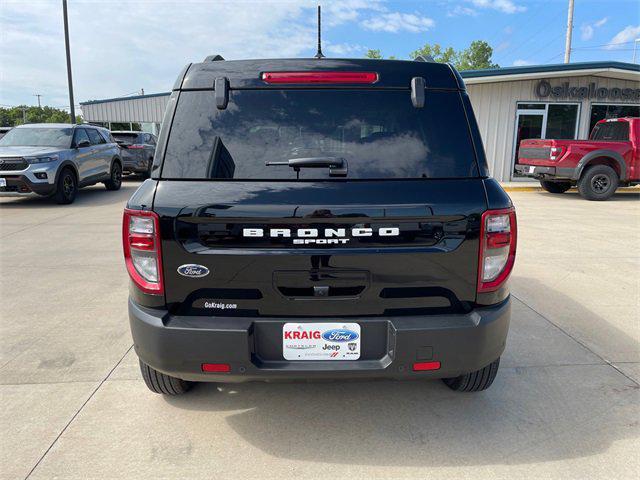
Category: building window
<point>545,120</point>
<point>601,112</point>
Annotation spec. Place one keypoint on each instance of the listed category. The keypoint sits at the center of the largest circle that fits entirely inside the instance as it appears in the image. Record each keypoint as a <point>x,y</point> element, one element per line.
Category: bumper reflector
<point>216,367</point>
<point>423,366</point>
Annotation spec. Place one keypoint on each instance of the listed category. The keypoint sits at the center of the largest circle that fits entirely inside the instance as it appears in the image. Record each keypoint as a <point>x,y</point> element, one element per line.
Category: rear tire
<point>66,187</point>
<point>598,182</point>
<point>555,187</point>
<point>165,384</point>
<point>115,177</point>
<point>474,381</point>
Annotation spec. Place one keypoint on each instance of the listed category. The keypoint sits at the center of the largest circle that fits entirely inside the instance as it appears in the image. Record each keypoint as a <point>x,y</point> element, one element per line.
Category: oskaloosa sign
<point>544,89</point>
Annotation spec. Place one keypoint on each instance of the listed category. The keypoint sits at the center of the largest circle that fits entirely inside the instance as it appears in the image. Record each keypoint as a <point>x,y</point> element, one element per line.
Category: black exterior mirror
<point>83,144</point>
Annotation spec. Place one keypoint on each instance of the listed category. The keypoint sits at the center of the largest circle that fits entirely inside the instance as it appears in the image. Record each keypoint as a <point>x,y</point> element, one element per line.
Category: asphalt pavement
<point>565,403</point>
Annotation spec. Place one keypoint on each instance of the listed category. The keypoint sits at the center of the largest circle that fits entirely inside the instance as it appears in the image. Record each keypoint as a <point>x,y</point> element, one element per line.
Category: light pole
<point>38,95</point>
<point>66,44</point>
<point>567,44</point>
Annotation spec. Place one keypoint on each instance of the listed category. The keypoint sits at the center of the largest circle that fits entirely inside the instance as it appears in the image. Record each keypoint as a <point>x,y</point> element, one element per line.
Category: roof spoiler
<point>214,58</point>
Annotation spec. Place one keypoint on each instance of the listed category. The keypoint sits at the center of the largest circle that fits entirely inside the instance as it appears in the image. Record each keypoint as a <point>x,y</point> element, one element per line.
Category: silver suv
<point>56,159</point>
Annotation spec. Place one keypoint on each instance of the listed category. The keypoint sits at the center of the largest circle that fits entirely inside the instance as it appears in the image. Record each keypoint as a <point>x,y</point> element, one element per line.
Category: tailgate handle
<point>322,291</point>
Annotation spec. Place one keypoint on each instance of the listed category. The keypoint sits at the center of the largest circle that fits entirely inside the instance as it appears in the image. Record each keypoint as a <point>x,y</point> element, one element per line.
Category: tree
<point>10,117</point>
<point>476,57</point>
<point>376,54</point>
<point>447,55</point>
<point>373,54</point>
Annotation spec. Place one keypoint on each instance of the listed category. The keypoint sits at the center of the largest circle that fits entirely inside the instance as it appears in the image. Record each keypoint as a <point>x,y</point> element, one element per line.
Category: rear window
<point>125,137</point>
<point>611,132</point>
<point>378,132</point>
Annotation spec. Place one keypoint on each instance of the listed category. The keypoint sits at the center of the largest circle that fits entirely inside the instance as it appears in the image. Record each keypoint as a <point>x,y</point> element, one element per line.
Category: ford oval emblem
<point>339,335</point>
<point>193,270</point>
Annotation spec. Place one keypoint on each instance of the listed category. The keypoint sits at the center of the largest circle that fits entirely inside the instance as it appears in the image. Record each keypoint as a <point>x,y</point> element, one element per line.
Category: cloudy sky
<point>120,47</point>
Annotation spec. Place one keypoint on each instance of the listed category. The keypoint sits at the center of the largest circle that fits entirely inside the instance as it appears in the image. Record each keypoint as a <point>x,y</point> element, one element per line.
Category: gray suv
<point>56,159</point>
<point>137,151</point>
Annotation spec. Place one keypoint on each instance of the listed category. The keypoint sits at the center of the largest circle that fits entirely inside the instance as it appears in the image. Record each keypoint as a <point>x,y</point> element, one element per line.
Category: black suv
<point>319,218</point>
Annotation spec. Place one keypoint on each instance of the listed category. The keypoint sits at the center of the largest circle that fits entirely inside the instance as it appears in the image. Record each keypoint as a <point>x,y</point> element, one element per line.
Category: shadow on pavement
<point>95,195</point>
<point>574,195</point>
<point>529,415</point>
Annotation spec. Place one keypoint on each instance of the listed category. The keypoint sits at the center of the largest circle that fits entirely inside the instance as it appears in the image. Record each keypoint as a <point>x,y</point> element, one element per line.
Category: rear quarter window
<point>378,132</point>
<point>611,132</point>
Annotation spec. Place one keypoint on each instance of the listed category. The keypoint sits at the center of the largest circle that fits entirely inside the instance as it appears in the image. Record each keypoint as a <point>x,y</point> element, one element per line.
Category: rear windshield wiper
<point>337,166</point>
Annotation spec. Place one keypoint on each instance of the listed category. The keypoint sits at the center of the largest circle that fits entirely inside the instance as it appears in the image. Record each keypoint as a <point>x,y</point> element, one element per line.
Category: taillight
<point>498,235</point>
<point>142,255</point>
<point>135,147</point>
<point>320,77</point>
<point>555,153</point>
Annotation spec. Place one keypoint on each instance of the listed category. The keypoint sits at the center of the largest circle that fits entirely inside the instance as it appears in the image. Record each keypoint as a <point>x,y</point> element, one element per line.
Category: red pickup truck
<point>598,166</point>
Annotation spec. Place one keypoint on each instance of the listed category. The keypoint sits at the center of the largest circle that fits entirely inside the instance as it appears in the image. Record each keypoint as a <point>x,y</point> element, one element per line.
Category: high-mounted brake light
<point>142,254</point>
<point>498,238</point>
<point>135,146</point>
<point>320,77</point>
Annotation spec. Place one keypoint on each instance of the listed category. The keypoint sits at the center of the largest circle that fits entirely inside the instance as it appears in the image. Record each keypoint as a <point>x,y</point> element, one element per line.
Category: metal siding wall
<point>494,105</point>
<point>145,110</point>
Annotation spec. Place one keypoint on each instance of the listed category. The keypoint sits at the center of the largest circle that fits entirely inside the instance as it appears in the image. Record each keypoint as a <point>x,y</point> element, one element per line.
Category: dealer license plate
<point>321,341</point>
<point>3,182</point>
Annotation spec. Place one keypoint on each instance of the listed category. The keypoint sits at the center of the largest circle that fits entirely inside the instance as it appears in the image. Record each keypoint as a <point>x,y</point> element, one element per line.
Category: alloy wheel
<point>600,183</point>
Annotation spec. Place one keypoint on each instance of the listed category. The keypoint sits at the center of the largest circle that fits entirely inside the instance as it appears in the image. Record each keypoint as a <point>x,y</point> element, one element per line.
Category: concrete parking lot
<point>565,403</point>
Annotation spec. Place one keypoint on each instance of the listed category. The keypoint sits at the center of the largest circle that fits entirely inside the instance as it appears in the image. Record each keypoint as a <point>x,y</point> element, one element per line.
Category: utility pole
<point>66,44</point>
<point>567,45</point>
<point>24,115</point>
<point>38,95</point>
<point>635,47</point>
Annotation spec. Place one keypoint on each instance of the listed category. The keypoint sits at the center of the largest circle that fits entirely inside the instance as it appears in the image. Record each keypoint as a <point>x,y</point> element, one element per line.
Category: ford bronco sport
<point>313,219</point>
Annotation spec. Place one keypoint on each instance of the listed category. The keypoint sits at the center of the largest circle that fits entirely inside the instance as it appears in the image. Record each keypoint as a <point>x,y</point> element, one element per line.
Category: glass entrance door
<point>529,124</point>
<point>544,120</point>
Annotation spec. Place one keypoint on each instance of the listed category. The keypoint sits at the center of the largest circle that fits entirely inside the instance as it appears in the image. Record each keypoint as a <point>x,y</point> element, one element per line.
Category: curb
<point>540,189</point>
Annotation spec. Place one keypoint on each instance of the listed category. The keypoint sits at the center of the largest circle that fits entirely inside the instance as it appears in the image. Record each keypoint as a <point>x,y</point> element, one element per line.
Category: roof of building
<point>123,99</point>
<point>622,70</point>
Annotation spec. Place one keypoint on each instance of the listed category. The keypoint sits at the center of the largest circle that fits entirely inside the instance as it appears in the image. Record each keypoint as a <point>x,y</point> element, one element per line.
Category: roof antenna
<point>319,52</point>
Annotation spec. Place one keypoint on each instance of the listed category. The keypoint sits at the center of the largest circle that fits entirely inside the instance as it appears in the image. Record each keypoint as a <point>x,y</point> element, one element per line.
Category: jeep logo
<point>331,236</point>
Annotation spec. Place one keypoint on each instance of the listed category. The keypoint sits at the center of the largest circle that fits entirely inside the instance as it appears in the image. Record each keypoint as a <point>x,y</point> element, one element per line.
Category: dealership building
<point>543,101</point>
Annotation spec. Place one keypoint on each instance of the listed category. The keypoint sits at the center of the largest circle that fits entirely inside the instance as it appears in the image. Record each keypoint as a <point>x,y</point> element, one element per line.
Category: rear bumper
<point>133,163</point>
<point>542,172</point>
<point>178,346</point>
